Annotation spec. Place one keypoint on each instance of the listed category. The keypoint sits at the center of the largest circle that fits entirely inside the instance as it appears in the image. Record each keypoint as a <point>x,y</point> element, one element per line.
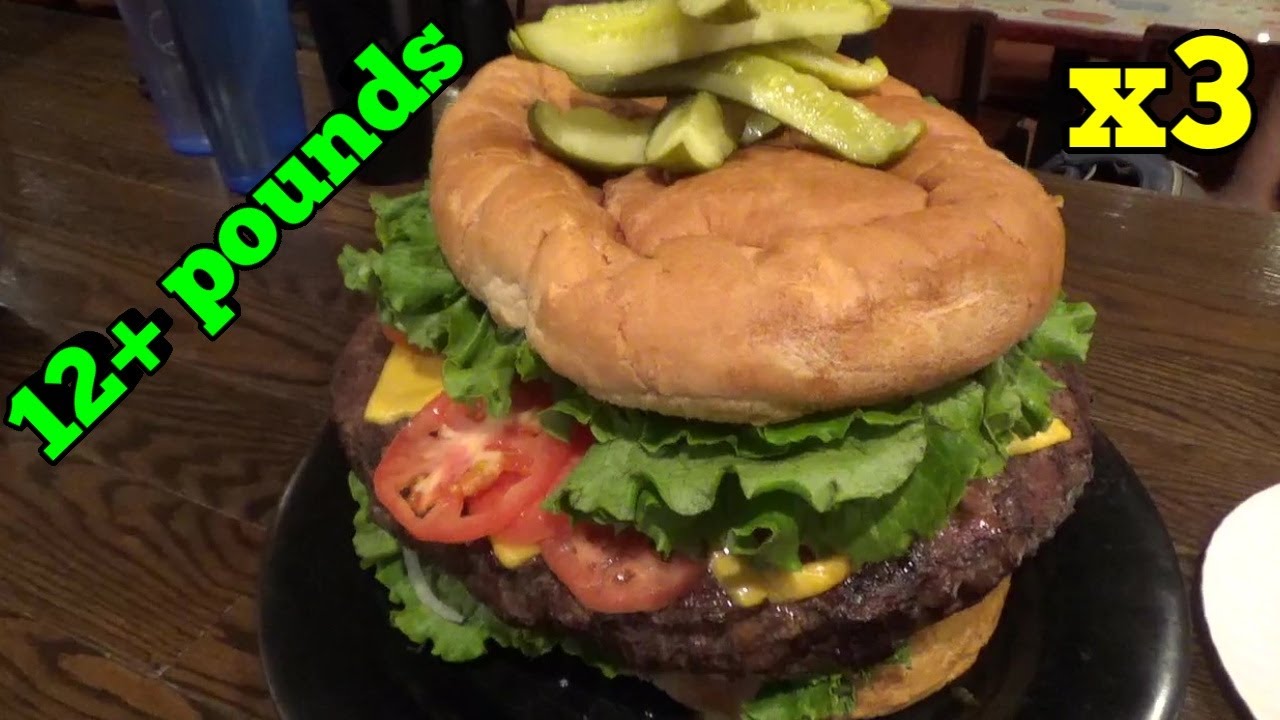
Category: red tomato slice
<point>619,573</point>
<point>535,526</point>
<point>436,471</point>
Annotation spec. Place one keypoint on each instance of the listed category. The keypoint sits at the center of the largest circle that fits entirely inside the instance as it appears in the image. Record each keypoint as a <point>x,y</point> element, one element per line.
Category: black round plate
<point>1096,626</point>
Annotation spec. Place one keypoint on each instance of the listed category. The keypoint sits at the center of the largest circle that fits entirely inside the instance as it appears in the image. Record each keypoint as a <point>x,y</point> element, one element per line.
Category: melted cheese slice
<point>1057,432</point>
<point>748,586</point>
<point>410,379</point>
<point>513,556</point>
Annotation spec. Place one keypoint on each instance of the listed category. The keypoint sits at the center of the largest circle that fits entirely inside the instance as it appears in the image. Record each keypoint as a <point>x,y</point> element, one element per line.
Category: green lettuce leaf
<point>450,641</point>
<point>618,482</point>
<point>864,483</point>
<point>819,698</point>
<point>1018,394</point>
<point>901,655</point>
<point>869,464</point>
<point>654,432</point>
<point>1065,334</point>
<point>885,527</point>
<point>770,530</point>
<point>419,295</point>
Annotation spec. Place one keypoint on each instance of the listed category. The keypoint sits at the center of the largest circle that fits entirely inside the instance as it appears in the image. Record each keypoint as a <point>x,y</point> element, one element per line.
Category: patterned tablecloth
<point>1253,20</point>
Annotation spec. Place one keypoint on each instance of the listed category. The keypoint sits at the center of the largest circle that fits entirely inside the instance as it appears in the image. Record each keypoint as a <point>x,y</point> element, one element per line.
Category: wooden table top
<point>127,577</point>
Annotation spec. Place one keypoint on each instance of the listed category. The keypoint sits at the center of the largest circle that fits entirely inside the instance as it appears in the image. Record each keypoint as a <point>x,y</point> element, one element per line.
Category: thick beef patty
<point>999,522</point>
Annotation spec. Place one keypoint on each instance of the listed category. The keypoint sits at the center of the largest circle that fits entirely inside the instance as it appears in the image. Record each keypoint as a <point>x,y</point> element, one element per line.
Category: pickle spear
<point>757,127</point>
<point>692,135</point>
<point>721,11</point>
<point>837,71</point>
<point>726,11</point>
<point>710,10</point>
<point>748,124</point>
<point>589,137</point>
<point>517,48</point>
<point>827,43</point>
<point>597,11</point>
<point>717,10</point>
<point>839,123</point>
<point>639,35</point>
<point>880,8</point>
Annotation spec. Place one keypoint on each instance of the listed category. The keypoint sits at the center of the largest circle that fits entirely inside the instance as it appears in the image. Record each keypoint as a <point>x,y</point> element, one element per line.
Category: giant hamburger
<point>768,420</point>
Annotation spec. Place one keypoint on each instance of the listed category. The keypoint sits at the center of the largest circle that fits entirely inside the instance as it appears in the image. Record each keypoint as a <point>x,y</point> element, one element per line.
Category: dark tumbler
<point>479,28</point>
<point>342,28</point>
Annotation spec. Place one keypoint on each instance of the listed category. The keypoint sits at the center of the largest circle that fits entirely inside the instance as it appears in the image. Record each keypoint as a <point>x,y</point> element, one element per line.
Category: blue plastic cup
<point>151,39</point>
<point>240,56</point>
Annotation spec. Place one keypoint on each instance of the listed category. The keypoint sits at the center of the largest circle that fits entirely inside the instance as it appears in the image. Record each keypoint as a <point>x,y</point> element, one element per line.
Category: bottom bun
<point>939,654</point>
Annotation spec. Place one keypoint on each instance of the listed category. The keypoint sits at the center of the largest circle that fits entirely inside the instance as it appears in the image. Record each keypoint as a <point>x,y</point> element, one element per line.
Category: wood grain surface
<point>128,574</point>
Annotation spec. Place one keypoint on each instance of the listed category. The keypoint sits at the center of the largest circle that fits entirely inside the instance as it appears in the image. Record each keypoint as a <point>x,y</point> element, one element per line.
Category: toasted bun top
<point>782,283</point>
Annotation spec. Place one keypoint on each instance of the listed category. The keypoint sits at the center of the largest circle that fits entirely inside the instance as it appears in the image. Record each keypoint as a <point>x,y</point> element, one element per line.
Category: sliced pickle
<point>727,11</point>
<point>517,47</point>
<point>717,11</point>
<point>757,127</point>
<point>598,11</point>
<point>827,43</point>
<point>881,10</point>
<point>692,135</point>
<point>763,7</point>
<point>836,121</point>
<point>639,35</point>
<point>750,125</point>
<point>837,71</point>
<point>711,10</point>
<point>589,137</point>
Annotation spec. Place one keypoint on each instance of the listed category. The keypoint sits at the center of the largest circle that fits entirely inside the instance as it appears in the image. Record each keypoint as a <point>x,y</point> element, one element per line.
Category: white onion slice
<point>423,590</point>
